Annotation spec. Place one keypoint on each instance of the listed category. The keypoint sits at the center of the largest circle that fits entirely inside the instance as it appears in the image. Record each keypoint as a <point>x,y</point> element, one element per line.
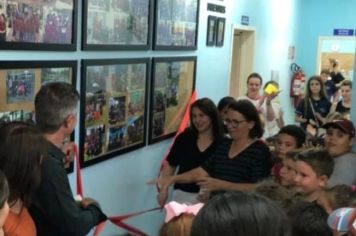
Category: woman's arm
<point>213,184</point>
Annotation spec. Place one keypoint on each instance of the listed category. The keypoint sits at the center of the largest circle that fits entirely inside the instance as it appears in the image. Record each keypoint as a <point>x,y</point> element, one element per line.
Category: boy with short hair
<point>288,170</point>
<point>330,87</point>
<point>339,138</point>
<point>313,169</point>
<point>289,138</point>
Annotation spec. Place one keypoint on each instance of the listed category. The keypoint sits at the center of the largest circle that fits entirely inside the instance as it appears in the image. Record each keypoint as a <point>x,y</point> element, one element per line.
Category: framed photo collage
<point>126,103</point>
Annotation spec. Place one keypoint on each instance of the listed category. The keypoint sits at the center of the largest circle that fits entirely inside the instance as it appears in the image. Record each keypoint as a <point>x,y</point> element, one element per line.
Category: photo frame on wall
<point>176,24</point>
<point>220,31</point>
<point>211,31</point>
<point>21,80</point>
<point>113,107</point>
<point>38,25</point>
<point>173,81</point>
<point>117,25</point>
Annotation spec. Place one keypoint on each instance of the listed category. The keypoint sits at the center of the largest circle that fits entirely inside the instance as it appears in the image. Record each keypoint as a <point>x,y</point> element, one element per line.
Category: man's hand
<point>88,201</point>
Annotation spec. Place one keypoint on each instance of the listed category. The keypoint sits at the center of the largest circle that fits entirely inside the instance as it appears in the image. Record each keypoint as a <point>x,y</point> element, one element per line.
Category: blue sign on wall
<point>245,20</point>
<point>344,32</point>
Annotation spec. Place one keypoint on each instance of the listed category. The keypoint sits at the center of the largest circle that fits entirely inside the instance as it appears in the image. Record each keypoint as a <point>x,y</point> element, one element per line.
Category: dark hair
<point>22,148</point>
<point>240,214</point>
<point>307,96</point>
<point>296,132</point>
<point>346,83</point>
<point>318,159</point>
<point>255,75</point>
<point>208,107</point>
<point>325,71</point>
<point>249,111</point>
<point>225,102</point>
<point>275,192</point>
<point>340,196</point>
<point>4,189</point>
<point>54,102</point>
<point>309,219</point>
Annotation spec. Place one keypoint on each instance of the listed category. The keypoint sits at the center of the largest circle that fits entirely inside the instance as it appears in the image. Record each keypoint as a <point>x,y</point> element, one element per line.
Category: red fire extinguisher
<point>297,84</point>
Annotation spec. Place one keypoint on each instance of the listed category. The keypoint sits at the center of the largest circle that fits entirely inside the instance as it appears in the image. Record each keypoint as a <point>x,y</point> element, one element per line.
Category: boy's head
<point>287,171</point>
<point>56,106</point>
<point>223,106</point>
<point>337,197</point>
<point>289,137</point>
<point>4,194</point>
<point>339,136</point>
<point>308,218</point>
<point>275,192</point>
<point>313,169</point>
<point>324,75</point>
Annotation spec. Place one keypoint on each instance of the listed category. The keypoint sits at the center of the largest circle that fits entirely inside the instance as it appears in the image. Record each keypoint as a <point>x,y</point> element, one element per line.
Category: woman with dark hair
<point>238,163</point>
<point>240,214</point>
<point>22,148</point>
<point>192,148</point>
<point>315,106</point>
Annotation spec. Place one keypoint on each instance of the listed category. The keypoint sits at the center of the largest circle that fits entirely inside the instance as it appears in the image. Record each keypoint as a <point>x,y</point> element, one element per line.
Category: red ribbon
<point>181,128</point>
<point>118,220</point>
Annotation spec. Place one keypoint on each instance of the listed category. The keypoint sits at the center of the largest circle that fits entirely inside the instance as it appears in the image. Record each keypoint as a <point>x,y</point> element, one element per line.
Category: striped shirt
<point>249,166</point>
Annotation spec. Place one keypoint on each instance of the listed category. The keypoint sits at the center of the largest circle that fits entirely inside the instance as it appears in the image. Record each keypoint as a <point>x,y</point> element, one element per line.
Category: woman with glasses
<point>191,149</point>
<point>238,163</point>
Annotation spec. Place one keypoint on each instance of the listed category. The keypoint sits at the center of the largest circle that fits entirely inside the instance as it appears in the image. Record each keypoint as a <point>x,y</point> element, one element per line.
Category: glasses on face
<point>233,123</point>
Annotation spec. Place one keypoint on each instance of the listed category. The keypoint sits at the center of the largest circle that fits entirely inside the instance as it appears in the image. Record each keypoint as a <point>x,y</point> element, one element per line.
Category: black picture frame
<point>220,31</point>
<point>125,25</point>
<point>21,80</point>
<point>211,31</point>
<point>176,24</point>
<point>39,25</point>
<point>172,84</point>
<point>113,107</point>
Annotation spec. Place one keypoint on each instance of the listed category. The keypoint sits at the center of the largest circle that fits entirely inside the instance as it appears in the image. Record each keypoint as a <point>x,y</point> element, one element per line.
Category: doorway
<point>242,56</point>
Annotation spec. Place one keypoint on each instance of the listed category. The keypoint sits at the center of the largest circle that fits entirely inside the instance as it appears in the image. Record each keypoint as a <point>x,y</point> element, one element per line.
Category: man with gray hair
<point>53,208</point>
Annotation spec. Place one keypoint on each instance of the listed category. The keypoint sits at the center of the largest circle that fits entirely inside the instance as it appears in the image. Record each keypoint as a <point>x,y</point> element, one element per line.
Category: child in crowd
<point>337,197</point>
<point>313,169</point>
<point>240,214</point>
<point>343,107</point>
<point>288,170</point>
<point>276,192</point>
<point>330,87</point>
<point>289,137</point>
<point>339,138</point>
<point>315,106</point>
<point>223,107</point>
<point>179,219</point>
<point>309,219</point>
<point>23,149</point>
<point>4,206</point>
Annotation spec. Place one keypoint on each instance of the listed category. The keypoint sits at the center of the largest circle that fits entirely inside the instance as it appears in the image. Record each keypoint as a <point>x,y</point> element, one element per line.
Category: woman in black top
<point>192,148</point>
<point>238,163</point>
<point>315,106</point>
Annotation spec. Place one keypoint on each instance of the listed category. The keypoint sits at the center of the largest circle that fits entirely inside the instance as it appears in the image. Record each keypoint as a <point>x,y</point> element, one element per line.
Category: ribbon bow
<point>176,209</point>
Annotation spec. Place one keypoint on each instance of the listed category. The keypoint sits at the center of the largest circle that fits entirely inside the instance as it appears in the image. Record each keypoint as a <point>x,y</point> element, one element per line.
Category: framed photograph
<point>21,80</point>
<point>173,81</point>
<point>38,25</point>
<point>220,31</point>
<point>176,24</point>
<point>211,31</point>
<point>113,107</point>
<point>117,25</point>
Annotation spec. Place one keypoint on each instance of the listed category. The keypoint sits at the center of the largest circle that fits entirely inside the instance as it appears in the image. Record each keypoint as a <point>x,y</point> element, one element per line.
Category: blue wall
<point>319,18</point>
<point>119,184</point>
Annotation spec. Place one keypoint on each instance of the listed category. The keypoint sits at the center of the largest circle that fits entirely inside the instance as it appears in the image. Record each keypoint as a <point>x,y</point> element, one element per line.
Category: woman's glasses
<point>233,123</point>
